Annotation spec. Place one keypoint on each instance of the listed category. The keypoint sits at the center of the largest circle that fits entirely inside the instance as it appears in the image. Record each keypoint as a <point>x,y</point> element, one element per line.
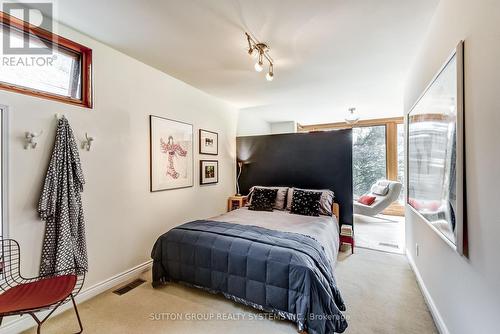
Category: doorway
<point>378,154</point>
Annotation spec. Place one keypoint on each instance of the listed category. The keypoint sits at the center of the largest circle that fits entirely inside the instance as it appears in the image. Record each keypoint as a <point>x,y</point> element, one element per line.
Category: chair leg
<point>77,315</point>
<point>38,322</point>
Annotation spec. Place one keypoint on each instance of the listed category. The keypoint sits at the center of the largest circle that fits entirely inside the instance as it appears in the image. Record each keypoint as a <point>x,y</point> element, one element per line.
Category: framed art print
<point>171,146</point>
<point>209,171</point>
<point>209,142</point>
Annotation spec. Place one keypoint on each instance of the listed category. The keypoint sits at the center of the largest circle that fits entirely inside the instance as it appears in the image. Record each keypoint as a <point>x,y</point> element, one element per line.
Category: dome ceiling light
<point>261,50</point>
<point>352,117</point>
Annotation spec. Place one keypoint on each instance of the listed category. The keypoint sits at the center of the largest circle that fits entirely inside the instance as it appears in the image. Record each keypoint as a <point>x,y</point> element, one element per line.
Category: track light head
<point>258,66</point>
<point>270,74</point>
<point>252,52</point>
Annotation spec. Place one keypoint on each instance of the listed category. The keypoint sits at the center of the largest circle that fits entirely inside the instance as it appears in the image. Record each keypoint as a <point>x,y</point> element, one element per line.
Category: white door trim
<point>4,173</point>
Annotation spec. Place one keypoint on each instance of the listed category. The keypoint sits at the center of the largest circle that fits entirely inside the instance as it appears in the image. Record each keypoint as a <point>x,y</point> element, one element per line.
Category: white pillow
<point>279,204</point>
<point>380,189</point>
<point>325,202</point>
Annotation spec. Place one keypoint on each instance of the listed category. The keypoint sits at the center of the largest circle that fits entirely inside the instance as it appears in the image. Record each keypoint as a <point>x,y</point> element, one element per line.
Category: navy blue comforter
<point>280,272</point>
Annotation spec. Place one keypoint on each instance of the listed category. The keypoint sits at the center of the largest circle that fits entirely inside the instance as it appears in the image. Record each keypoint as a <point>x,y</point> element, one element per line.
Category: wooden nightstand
<point>236,202</point>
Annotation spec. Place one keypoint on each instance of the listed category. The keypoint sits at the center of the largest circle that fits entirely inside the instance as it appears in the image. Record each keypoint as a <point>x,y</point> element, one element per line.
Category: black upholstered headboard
<point>321,160</point>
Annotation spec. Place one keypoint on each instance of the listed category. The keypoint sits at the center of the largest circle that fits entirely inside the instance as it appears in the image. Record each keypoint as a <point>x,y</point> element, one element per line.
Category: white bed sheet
<point>324,229</point>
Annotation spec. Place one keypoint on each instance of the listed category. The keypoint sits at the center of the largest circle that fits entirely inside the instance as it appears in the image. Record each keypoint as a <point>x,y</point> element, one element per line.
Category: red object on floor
<point>44,292</point>
<point>367,200</point>
<point>348,240</point>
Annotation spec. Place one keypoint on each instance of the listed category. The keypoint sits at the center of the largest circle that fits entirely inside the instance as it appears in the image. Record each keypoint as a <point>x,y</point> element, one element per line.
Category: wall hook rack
<point>87,143</point>
<point>31,139</point>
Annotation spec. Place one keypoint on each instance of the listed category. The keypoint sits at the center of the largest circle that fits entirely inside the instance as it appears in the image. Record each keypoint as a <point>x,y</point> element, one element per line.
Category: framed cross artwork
<point>209,142</point>
<point>209,172</point>
<point>171,154</point>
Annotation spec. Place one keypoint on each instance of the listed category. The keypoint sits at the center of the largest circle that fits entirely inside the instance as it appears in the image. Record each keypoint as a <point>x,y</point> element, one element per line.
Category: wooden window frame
<point>391,146</point>
<point>85,53</point>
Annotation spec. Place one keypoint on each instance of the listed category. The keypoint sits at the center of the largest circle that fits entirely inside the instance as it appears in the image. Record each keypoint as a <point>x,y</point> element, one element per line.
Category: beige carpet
<point>379,289</point>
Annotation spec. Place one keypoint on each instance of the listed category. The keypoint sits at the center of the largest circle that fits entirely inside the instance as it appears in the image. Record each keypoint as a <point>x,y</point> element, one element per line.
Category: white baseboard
<point>26,322</point>
<point>438,320</point>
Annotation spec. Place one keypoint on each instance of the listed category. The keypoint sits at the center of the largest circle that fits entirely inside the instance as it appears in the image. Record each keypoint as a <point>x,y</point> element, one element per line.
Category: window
<point>64,74</point>
<point>378,153</point>
<point>368,157</point>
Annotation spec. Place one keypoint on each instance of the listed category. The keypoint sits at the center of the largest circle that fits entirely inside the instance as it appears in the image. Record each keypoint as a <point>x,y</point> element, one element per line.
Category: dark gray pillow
<point>305,202</point>
<point>325,202</point>
<point>263,199</point>
<point>279,204</point>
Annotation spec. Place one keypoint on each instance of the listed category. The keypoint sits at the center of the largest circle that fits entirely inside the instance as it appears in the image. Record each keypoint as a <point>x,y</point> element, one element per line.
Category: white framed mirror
<point>435,135</point>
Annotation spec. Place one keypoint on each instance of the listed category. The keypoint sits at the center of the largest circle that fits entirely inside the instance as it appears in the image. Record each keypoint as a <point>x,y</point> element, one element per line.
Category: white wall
<point>123,219</point>
<point>251,125</point>
<point>466,292</point>
<point>283,127</point>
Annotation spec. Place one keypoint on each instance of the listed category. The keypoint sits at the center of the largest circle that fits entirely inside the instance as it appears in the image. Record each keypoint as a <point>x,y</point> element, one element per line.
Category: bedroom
<point>186,63</point>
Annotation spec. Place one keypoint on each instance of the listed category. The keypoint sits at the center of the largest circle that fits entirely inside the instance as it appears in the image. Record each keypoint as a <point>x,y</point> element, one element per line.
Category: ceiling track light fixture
<point>256,48</point>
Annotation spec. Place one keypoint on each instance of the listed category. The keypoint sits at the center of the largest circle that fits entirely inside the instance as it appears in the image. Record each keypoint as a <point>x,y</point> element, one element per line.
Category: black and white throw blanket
<point>285,273</point>
<point>60,206</point>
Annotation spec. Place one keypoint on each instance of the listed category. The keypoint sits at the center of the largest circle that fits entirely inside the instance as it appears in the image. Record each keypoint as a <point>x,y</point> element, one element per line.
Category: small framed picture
<point>209,142</point>
<point>209,171</point>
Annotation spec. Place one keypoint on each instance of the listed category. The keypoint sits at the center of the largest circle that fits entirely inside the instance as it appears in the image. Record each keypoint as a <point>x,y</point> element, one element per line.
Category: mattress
<point>324,229</point>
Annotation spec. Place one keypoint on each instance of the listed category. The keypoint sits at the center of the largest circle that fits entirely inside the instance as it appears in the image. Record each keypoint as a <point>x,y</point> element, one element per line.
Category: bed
<point>272,261</point>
